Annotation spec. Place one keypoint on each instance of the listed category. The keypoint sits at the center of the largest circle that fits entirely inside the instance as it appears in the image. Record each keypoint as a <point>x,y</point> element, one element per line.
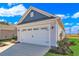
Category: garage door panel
<point>38,35</point>
<point>41,36</point>
<point>26,36</point>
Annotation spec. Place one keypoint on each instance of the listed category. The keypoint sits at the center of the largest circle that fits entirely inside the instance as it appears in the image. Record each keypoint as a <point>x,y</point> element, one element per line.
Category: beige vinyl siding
<point>59,29</point>
<point>6,34</point>
<point>7,31</point>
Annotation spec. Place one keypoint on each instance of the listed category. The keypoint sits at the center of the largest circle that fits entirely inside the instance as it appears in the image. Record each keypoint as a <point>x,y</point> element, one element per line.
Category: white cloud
<point>67,30</point>
<point>10,4</point>
<point>9,22</point>
<point>77,23</point>
<point>2,20</point>
<point>63,16</point>
<point>15,22</point>
<point>72,30</point>
<point>68,23</point>
<point>75,29</point>
<point>14,11</point>
<point>76,15</point>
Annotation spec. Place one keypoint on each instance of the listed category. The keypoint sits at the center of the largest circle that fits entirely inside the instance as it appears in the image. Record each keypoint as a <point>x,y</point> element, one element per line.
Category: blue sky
<point>12,12</point>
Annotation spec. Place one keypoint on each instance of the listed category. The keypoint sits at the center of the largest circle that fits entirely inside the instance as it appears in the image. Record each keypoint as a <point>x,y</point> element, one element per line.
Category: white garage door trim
<point>42,34</point>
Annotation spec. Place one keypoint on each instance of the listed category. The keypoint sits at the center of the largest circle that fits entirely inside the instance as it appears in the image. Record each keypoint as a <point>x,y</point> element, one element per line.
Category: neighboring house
<point>7,31</point>
<point>39,27</point>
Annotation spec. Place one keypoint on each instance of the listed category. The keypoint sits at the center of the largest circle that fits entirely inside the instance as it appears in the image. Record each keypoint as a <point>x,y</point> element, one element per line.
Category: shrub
<point>14,37</point>
<point>2,44</point>
<point>64,48</point>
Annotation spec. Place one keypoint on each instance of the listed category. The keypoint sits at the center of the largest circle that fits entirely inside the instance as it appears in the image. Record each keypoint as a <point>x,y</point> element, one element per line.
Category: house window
<point>31,14</point>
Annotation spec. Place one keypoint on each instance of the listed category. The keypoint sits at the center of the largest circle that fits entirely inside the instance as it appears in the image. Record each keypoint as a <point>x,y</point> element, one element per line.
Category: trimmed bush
<point>2,44</point>
<point>14,37</point>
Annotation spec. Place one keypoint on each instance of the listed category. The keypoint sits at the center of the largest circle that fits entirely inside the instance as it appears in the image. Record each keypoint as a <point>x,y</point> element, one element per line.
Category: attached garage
<point>35,34</point>
<point>39,27</point>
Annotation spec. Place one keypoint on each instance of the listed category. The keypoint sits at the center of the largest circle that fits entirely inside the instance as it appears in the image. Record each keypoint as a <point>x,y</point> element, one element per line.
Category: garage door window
<point>44,28</point>
<point>36,29</point>
<point>24,29</point>
<point>29,29</point>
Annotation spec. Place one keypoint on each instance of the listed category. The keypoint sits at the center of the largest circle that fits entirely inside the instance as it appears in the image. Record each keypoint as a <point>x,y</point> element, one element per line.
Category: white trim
<point>42,12</point>
<point>56,32</point>
<point>49,34</point>
<point>25,14</point>
<point>36,23</point>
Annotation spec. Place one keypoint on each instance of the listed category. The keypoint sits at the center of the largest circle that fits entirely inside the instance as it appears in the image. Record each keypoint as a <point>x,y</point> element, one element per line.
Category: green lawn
<point>74,48</point>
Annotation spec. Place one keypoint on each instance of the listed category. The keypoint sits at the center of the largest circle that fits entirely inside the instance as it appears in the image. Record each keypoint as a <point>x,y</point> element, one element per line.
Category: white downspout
<point>49,33</point>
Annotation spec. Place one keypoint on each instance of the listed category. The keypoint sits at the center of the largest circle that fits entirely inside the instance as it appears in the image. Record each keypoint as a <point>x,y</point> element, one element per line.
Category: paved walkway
<point>23,49</point>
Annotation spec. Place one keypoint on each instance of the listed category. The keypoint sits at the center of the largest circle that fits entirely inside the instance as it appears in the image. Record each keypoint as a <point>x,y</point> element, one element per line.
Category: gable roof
<point>37,10</point>
<point>58,19</point>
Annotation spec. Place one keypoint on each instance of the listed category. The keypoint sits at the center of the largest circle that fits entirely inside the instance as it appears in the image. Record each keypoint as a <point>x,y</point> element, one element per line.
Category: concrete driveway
<point>23,49</point>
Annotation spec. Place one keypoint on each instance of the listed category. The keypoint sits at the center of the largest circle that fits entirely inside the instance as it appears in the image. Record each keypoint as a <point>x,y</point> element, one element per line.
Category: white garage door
<point>36,35</point>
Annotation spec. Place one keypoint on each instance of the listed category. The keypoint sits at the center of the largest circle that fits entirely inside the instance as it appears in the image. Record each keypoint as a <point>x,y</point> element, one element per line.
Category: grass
<point>74,48</point>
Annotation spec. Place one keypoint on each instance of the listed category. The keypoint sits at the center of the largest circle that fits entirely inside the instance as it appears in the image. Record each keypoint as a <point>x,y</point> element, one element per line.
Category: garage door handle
<point>32,36</point>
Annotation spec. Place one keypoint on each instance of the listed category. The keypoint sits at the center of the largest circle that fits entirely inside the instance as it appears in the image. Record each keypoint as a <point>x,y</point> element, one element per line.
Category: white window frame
<point>32,14</point>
